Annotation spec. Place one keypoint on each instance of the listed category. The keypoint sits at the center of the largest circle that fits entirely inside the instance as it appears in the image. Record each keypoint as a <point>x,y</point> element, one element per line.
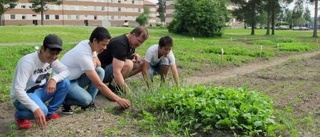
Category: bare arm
<point>145,73</point>
<point>118,76</point>
<point>93,76</point>
<point>175,74</point>
<point>136,57</point>
<point>39,118</point>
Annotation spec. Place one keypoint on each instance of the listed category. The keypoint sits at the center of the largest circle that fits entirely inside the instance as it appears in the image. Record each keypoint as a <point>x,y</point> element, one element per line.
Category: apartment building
<point>169,11</point>
<point>81,12</point>
<point>153,13</point>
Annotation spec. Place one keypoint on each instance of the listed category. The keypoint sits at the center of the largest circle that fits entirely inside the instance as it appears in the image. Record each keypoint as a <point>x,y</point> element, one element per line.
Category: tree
<point>40,6</point>
<point>288,17</point>
<point>204,18</point>
<point>248,10</point>
<point>6,5</point>
<point>161,10</point>
<point>143,18</point>
<point>273,8</point>
<point>297,13</point>
<point>262,19</point>
<point>315,23</point>
<point>307,16</point>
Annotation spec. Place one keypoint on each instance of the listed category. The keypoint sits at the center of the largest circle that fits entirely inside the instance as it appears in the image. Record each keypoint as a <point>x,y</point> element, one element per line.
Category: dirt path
<point>276,84</point>
<point>220,75</point>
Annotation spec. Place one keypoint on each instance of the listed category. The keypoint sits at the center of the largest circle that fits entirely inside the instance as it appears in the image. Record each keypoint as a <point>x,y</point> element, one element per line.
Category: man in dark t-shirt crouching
<point>120,60</point>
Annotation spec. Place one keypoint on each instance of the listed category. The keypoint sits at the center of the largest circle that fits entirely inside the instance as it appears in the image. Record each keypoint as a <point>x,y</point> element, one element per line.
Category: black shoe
<point>91,106</point>
<point>66,110</point>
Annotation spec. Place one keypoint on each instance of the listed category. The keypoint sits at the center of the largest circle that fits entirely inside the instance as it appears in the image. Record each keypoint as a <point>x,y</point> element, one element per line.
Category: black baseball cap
<point>52,41</point>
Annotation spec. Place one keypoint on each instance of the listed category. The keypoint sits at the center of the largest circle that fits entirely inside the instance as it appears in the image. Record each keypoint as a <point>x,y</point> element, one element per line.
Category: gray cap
<point>52,41</point>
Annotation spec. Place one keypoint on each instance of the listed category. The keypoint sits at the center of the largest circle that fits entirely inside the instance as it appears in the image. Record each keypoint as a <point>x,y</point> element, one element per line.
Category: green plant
<point>295,47</point>
<point>203,109</point>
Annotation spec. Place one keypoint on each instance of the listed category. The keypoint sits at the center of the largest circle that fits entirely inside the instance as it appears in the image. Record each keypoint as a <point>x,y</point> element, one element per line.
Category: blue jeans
<point>108,74</point>
<point>82,91</point>
<point>40,96</point>
<point>155,70</point>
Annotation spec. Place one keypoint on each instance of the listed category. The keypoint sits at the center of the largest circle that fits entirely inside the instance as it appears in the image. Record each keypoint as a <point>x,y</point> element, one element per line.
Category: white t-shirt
<point>152,56</point>
<point>79,59</point>
<point>31,72</point>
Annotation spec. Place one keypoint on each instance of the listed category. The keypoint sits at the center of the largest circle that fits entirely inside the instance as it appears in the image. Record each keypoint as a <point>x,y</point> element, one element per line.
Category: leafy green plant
<point>294,47</point>
<point>262,42</point>
<point>203,109</point>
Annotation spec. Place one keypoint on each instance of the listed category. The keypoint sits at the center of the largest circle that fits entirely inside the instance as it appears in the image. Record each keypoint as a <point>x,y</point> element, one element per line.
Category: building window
<point>77,17</point>
<point>133,2</point>
<point>23,6</point>
<point>95,17</point>
<point>119,9</point>
<point>139,10</point>
<point>34,15</point>
<point>119,1</point>
<point>47,17</point>
<point>23,17</point>
<point>56,17</point>
<point>12,16</point>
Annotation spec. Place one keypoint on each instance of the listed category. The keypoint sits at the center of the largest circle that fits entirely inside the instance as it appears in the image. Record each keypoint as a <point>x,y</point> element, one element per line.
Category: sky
<point>310,7</point>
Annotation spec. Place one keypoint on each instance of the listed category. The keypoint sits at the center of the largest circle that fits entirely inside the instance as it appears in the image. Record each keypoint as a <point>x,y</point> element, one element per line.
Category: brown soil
<point>292,81</point>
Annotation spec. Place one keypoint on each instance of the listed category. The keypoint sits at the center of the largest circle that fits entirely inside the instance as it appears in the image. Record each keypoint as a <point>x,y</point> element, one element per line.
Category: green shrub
<point>239,51</point>
<point>204,109</point>
<point>262,42</point>
<point>294,47</point>
<point>287,40</point>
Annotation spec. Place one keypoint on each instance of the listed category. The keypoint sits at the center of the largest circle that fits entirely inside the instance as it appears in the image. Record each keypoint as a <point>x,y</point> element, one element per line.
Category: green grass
<point>191,54</point>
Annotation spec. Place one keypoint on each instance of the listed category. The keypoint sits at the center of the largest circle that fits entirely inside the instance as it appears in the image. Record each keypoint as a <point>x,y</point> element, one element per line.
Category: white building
<point>80,12</point>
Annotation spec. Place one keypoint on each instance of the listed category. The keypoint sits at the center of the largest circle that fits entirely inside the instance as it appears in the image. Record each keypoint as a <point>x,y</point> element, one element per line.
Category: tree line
<point>191,15</point>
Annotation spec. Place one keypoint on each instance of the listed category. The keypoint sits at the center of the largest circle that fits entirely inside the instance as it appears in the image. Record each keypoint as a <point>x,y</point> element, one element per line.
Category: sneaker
<point>91,106</point>
<point>23,123</point>
<point>52,116</point>
<point>66,110</point>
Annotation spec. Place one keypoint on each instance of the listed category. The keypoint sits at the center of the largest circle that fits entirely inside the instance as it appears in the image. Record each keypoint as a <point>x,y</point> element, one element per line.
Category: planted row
<point>203,109</point>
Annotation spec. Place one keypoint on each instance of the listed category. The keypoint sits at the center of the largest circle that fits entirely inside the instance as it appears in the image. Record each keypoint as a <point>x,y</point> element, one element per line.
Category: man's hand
<point>39,118</point>
<point>136,58</point>
<point>124,103</point>
<point>51,87</point>
<point>96,62</point>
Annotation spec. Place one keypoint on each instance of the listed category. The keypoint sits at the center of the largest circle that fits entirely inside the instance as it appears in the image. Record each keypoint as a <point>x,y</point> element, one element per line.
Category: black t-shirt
<point>118,48</point>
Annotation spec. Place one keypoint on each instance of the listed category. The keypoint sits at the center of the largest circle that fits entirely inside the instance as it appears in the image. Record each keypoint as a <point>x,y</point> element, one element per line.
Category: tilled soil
<point>292,81</point>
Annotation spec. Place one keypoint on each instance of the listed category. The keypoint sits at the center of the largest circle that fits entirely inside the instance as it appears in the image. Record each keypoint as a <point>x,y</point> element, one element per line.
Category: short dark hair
<point>100,33</point>
<point>165,41</point>
<point>138,31</point>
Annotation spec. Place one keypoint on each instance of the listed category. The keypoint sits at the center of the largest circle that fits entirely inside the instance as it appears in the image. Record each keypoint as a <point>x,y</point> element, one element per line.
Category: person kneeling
<point>158,59</point>
<point>32,85</point>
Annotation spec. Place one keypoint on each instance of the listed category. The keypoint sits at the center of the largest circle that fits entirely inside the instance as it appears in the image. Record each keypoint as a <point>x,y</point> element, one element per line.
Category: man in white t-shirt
<point>158,60</point>
<point>33,84</point>
<point>86,74</point>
